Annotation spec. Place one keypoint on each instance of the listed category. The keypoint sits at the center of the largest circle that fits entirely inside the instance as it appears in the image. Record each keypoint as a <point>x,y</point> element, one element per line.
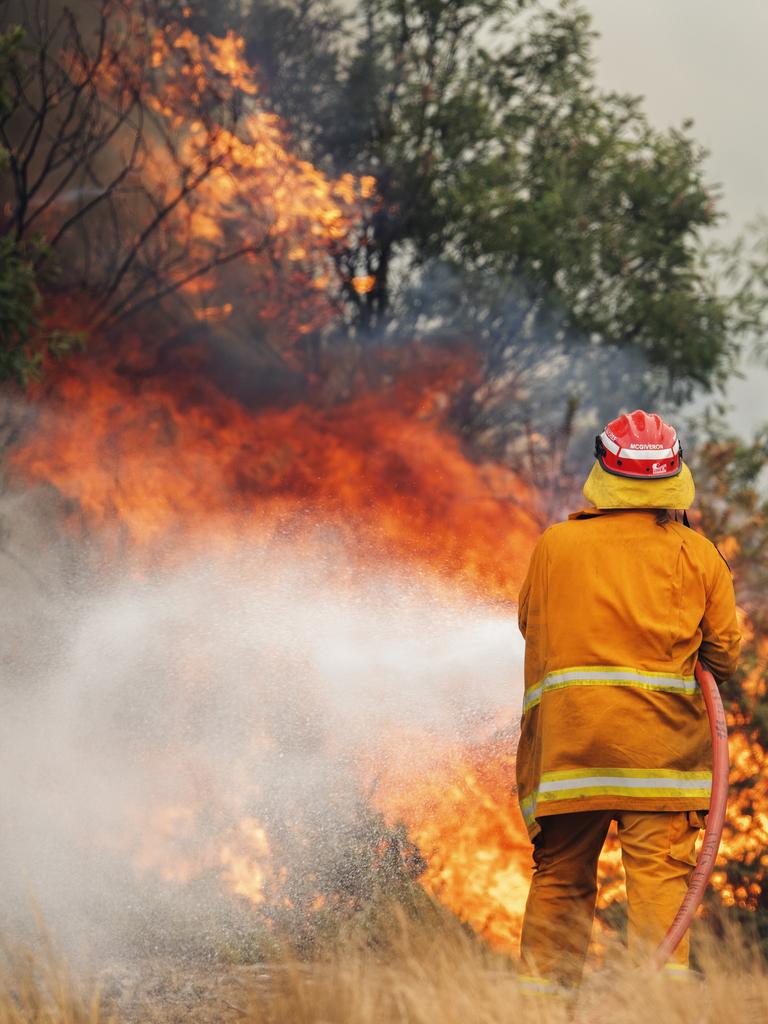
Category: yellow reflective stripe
<point>609,675</point>
<point>624,782</point>
<point>587,791</point>
<point>646,783</point>
<point>672,686</point>
<point>628,773</point>
<point>680,972</point>
<point>541,986</point>
<point>582,669</point>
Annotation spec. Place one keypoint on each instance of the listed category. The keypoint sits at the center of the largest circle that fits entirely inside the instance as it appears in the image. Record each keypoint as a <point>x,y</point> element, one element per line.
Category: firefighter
<point>619,602</point>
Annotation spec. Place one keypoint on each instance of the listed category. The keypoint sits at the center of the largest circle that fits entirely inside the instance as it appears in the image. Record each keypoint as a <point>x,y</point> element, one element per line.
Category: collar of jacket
<point>593,513</point>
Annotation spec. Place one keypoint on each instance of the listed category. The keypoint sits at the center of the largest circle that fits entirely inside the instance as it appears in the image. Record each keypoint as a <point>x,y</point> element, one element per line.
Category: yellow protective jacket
<point>614,610</point>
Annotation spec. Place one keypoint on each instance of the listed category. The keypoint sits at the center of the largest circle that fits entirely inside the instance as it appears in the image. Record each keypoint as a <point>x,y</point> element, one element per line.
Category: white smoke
<point>245,685</point>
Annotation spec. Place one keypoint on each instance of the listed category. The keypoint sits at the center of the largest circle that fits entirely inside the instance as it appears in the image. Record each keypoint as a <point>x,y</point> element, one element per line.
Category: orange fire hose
<point>715,819</point>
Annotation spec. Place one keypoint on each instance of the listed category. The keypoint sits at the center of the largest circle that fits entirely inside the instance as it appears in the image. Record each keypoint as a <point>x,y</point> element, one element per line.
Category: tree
<point>296,49</point>
<point>517,204</point>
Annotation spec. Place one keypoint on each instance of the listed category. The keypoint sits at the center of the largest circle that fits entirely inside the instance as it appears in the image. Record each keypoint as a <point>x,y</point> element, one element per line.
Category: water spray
<point>715,819</point>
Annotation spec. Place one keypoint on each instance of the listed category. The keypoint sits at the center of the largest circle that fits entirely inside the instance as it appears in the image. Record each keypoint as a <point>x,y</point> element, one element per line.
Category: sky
<point>706,60</point>
<point>703,59</point>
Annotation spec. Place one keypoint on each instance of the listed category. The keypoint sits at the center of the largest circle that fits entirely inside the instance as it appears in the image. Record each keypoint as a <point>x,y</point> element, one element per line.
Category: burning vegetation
<point>160,453</point>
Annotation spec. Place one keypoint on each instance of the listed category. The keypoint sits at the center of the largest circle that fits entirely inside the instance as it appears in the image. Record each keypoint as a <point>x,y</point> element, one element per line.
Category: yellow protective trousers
<point>658,853</point>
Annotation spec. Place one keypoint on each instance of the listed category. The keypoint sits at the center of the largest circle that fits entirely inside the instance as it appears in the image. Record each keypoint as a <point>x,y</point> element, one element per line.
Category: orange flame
<point>245,860</point>
<point>179,459</point>
<point>363,285</point>
<point>222,169</point>
<point>168,465</point>
<point>459,805</point>
<point>745,838</point>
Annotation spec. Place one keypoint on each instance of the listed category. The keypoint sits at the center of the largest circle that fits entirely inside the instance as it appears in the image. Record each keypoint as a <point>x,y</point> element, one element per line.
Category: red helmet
<point>639,445</point>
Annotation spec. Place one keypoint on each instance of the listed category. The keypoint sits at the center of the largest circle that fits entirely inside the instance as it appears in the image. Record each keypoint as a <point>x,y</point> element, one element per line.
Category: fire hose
<point>715,819</point>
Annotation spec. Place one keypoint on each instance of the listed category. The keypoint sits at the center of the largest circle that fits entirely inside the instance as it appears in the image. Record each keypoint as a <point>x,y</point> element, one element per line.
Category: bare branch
<point>108,189</point>
<point>174,286</point>
<point>165,211</point>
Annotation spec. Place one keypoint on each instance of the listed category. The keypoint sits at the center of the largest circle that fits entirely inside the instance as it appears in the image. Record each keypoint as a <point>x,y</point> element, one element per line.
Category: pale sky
<point>704,59</point>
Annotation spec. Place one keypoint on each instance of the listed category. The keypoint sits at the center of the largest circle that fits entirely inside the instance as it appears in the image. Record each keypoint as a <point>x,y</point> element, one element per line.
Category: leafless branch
<point>99,168</point>
<point>169,289</point>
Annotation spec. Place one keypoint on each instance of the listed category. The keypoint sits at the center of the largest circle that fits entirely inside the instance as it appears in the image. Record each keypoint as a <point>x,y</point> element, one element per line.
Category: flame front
<point>164,466</point>
<point>177,466</point>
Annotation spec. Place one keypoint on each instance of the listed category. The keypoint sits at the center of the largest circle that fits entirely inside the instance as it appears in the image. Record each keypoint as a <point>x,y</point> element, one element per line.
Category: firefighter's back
<point>623,589</point>
<point>615,609</point>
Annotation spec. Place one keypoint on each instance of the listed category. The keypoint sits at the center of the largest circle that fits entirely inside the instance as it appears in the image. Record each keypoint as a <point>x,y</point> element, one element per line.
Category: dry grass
<point>450,979</point>
<point>424,975</point>
<point>37,987</point>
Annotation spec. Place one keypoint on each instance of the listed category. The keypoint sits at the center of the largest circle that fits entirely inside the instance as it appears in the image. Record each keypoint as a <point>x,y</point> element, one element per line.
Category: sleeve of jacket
<point>721,637</point>
<point>525,590</point>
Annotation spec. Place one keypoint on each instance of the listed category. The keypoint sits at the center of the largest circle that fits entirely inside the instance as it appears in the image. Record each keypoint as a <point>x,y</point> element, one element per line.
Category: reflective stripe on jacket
<point>614,609</point>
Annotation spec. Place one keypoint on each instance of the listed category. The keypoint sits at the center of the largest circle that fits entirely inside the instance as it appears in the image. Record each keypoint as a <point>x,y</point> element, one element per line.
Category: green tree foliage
<point>19,305</point>
<point>555,213</point>
<point>19,296</point>
<point>23,338</point>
